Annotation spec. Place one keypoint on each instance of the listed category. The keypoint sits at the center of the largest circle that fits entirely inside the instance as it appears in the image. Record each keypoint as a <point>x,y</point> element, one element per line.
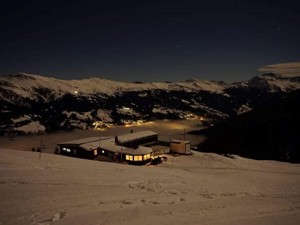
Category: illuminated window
<point>147,156</point>
<point>129,157</point>
<point>66,149</point>
<point>95,152</point>
<point>138,158</point>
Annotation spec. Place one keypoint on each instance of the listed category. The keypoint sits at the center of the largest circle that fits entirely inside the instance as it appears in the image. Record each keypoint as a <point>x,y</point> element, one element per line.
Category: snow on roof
<point>180,141</point>
<point>141,150</point>
<point>90,146</point>
<point>109,145</point>
<point>135,136</point>
<point>84,141</point>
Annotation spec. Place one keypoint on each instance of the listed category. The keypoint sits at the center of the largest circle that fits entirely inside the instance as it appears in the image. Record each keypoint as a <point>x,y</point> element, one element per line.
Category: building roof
<point>180,141</point>
<point>108,143</point>
<point>125,138</point>
<point>90,146</point>
<point>141,150</point>
<point>84,140</point>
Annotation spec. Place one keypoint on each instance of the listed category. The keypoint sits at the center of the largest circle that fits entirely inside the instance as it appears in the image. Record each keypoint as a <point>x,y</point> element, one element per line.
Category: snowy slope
<point>271,83</point>
<point>25,85</point>
<point>52,104</point>
<point>198,189</point>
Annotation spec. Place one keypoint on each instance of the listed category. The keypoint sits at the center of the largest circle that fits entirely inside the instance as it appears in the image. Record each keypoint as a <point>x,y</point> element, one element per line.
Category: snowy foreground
<point>197,189</point>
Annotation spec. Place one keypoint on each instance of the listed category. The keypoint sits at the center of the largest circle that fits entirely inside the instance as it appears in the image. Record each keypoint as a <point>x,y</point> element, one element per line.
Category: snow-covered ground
<point>167,129</point>
<point>197,189</point>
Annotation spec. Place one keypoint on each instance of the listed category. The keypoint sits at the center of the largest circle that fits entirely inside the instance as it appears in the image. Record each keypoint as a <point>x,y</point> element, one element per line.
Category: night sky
<point>136,40</point>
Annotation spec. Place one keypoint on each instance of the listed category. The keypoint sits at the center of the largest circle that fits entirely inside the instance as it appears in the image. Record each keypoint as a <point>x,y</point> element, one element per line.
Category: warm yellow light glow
<point>148,156</point>
<point>192,116</point>
<point>131,123</point>
<point>99,125</point>
<point>138,158</point>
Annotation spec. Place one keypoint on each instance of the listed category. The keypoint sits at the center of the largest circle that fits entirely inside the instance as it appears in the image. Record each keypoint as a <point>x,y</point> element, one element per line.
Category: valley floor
<point>199,189</point>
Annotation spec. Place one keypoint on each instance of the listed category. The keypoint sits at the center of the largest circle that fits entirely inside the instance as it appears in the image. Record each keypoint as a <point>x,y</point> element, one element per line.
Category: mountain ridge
<point>52,103</point>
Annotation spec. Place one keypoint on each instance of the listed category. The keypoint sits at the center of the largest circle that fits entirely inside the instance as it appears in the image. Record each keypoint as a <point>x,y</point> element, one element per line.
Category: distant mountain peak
<point>20,75</point>
<point>192,80</point>
<point>270,75</point>
<point>65,104</point>
<point>275,75</point>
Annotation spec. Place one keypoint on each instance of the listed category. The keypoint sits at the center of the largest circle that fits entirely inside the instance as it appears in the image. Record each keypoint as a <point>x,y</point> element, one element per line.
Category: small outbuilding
<point>180,146</point>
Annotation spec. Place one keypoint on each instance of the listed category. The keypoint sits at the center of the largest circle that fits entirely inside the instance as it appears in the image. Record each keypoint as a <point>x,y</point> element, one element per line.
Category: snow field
<point>198,189</point>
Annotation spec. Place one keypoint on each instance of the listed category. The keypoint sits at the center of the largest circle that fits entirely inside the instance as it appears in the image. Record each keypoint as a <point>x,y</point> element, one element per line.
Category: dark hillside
<point>271,131</point>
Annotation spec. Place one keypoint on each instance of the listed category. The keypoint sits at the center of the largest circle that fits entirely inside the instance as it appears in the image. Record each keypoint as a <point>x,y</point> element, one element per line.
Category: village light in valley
<point>130,123</point>
<point>99,125</point>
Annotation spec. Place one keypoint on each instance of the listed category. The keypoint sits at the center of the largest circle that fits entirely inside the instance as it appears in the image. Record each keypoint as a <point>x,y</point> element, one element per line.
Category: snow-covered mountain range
<point>33,103</point>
